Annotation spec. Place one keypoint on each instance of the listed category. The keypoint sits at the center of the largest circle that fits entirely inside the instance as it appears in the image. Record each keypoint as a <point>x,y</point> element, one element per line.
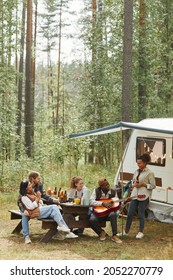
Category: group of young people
<point>32,195</point>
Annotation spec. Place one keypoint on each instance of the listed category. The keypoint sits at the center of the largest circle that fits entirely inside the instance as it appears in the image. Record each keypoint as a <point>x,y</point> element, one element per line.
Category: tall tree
<point>127,60</point>
<point>29,110</point>
<point>34,56</point>
<point>20,79</point>
<point>142,78</point>
<point>93,77</point>
<point>127,66</point>
<point>8,78</point>
<point>59,66</point>
<point>49,31</point>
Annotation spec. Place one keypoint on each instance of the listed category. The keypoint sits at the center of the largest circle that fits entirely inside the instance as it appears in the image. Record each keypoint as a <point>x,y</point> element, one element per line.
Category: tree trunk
<point>28,83</point>
<point>20,80</point>
<point>127,65</point>
<point>93,85</point>
<point>127,60</point>
<point>59,69</point>
<point>142,89</point>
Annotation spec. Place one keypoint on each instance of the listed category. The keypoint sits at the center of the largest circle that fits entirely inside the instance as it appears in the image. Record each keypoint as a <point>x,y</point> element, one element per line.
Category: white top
<point>31,205</point>
<point>148,178</point>
<point>79,193</point>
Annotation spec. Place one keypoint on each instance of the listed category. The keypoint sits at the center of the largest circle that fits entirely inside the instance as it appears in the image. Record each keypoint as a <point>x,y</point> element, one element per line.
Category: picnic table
<point>76,216</point>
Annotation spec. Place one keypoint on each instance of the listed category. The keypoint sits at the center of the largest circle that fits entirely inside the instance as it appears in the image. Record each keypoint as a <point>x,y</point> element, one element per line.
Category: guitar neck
<point>124,199</point>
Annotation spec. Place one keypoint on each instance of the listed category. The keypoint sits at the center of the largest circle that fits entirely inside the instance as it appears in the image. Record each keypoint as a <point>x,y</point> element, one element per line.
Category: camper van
<point>154,136</point>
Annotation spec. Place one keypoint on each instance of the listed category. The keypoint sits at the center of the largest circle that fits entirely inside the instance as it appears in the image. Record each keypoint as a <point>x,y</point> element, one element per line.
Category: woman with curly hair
<point>143,184</point>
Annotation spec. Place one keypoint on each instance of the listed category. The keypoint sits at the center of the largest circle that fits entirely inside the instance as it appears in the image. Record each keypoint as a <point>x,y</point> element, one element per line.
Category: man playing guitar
<point>102,196</point>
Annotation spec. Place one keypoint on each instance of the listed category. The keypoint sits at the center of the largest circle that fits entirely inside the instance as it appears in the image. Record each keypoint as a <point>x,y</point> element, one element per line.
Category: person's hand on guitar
<point>128,199</point>
<point>138,184</point>
<point>108,204</point>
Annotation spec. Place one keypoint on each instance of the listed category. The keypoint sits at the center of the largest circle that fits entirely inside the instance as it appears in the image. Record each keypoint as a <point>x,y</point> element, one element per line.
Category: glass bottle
<point>65,197</point>
<point>61,196</point>
<point>59,191</point>
<point>55,191</point>
<point>76,198</point>
<point>49,191</point>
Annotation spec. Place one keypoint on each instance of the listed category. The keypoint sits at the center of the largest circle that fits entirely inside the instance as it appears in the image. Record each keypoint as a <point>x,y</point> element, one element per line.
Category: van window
<point>155,147</point>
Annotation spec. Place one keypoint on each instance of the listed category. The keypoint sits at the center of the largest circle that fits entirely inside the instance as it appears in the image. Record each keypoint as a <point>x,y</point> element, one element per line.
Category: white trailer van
<point>154,136</point>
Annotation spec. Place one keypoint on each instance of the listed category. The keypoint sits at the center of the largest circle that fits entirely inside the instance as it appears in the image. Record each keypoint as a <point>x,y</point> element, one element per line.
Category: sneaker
<point>71,235</point>
<point>27,240</point>
<point>75,231</point>
<point>63,229</point>
<point>116,239</point>
<point>123,233</point>
<point>140,235</point>
<point>102,235</point>
<point>78,231</point>
<point>60,235</point>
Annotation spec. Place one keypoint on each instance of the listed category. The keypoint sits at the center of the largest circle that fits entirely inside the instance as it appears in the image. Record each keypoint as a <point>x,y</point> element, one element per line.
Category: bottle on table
<point>76,198</point>
<point>55,191</point>
<point>49,191</point>
<point>61,196</point>
<point>65,196</point>
<point>59,191</point>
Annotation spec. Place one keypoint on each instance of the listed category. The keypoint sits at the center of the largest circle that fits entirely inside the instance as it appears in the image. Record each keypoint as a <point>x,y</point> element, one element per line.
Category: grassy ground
<point>157,243</point>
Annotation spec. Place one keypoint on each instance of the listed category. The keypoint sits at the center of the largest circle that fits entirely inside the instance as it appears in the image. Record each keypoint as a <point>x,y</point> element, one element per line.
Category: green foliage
<point>90,90</point>
<point>52,175</point>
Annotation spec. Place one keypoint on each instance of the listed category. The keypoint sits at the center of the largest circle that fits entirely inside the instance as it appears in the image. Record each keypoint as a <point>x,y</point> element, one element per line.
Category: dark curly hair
<point>23,186</point>
<point>145,158</point>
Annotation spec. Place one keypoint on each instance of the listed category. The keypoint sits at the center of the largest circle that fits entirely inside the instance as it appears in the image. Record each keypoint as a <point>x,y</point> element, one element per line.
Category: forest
<point>120,67</point>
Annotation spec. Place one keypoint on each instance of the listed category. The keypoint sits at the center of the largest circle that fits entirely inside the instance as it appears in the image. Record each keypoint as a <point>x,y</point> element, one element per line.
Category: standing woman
<point>143,184</point>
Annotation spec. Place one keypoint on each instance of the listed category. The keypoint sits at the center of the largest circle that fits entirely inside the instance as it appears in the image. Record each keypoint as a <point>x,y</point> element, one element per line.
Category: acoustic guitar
<point>102,211</point>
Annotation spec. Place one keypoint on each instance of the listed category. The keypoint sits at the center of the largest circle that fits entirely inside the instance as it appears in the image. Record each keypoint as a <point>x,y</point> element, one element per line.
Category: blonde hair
<point>74,181</point>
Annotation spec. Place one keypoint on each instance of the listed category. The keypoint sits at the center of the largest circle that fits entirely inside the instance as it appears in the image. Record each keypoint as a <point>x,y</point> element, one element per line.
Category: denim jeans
<point>48,211</point>
<point>95,222</point>
<point>140,206</point>
<point>25,225</point>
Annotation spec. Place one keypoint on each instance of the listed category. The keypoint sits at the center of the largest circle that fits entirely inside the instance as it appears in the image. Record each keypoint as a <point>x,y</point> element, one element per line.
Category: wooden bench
<point>49,224</point>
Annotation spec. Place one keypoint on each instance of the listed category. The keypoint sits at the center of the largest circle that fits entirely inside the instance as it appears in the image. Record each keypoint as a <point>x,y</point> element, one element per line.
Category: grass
<point>157,243</point>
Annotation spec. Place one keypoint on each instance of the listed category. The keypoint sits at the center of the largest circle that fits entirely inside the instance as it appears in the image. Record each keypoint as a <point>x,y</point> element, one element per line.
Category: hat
<point>102,181</point>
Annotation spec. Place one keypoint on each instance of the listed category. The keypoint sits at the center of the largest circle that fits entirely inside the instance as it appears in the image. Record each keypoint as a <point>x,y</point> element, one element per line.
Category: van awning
<point>160,125</point>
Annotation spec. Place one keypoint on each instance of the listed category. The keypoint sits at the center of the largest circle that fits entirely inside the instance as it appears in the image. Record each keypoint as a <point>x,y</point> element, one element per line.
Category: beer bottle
<point>49,191</point>
<point>75,195</point>
<point>61,196</point>
<point>59,191</point>
<point>65,197</point>
<point>76,198</point>
<point>55,191</point>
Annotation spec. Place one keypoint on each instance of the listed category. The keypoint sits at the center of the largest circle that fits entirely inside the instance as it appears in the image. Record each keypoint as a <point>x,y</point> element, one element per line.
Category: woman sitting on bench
<point>34,208</point>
